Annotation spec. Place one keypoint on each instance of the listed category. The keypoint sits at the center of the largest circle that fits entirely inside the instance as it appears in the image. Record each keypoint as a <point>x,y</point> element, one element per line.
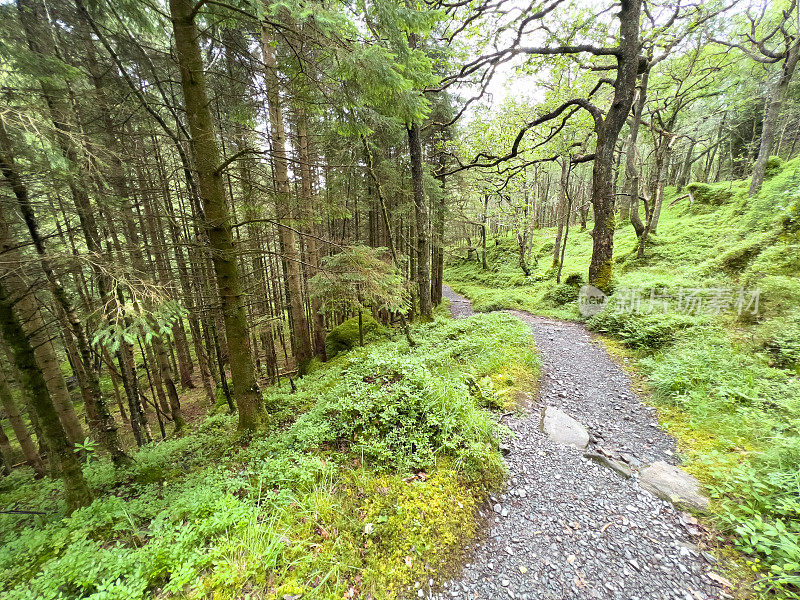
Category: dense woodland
<point>204,201</point>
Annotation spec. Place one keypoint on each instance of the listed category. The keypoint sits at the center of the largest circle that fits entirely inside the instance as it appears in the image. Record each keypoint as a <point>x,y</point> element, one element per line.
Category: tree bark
<point>608,129</point>
<point>423,245</point>
<point>217,219</point>
<point>294,282</point>
<point>5,452</point>
<point>18,426</point>
<point>76,490</point>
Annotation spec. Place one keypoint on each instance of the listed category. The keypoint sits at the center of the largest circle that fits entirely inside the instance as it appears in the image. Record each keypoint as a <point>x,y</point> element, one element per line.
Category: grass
<point>726,383</point>
<point>364,482</point>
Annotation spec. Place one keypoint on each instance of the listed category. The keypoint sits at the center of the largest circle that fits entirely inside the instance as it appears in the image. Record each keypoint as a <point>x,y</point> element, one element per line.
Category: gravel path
<point>567,527</point>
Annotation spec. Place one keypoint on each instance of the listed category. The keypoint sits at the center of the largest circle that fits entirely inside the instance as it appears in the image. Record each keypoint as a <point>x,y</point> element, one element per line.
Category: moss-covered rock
<point>775,165</point>
<point>345,336</point>
<point>714,194</point>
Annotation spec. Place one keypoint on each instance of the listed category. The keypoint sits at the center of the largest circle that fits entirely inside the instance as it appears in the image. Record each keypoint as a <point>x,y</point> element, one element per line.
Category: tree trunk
<point>105,427</point>
<point>76,490</point>
<point>5,452</point>
<point>36,329</point>
<point>660,183</point>
<point>18,426</point>
<point>283,211</point>
<point>437,255</point>
<point>608,129</point>
<point>775,99</point>
<point>312,250</point>
<point>631,171</point>
<point>561,210</point>
<point>685,170</point>
<point>423,245</point>
<point>217,219</point>
<point>483,230</point>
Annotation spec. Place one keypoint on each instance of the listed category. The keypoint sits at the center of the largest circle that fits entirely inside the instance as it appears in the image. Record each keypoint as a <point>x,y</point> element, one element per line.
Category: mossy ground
<point>725,383</point>
<point>364,481</point>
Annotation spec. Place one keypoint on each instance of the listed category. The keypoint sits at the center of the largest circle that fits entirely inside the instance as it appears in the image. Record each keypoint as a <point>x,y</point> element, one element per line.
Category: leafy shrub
<point>199,516</point>
<point>400,408</point>
<point>562,294</point>
<point>641,331</point>
<point>344,337</point>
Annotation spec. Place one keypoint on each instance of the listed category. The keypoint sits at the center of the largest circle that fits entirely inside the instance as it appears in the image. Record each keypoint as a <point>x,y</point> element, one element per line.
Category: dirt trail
<point>567,527</point>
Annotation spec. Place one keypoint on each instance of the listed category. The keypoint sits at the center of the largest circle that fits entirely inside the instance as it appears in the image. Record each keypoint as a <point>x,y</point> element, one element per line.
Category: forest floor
<point>567,527</point>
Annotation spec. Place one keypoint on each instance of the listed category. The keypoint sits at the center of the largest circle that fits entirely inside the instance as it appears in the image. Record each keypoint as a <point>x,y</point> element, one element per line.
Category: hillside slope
<point>722,370</point>
<point>364,481</point>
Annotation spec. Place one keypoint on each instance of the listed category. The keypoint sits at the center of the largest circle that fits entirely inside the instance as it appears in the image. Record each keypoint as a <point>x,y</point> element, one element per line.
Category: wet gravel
<point>567,527</point>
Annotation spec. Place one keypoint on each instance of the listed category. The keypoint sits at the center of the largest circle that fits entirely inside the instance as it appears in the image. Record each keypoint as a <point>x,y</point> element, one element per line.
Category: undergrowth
<point>365,480</point>
<point>726,379</point>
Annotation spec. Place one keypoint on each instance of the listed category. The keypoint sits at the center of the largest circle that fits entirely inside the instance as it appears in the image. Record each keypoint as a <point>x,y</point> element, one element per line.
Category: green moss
<point>775,165</point>
<point>415,528</point>
<point>714,194</point>
<point>736,259</point>
<point>345,337</point>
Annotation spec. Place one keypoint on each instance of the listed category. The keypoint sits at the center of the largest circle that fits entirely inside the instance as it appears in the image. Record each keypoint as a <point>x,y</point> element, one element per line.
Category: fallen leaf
<point>369,528</point>
<point>523,570</point>
<point>408,561</point>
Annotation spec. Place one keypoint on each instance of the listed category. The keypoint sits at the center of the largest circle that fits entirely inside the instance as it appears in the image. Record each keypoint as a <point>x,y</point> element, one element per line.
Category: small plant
<point>87,448</point>
<point>358,279</point>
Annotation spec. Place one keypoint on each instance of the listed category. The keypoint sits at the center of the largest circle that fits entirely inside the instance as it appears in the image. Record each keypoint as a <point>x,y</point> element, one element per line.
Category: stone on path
<point>563,429</point>
<point>672,484</point>
<point>617,466</point>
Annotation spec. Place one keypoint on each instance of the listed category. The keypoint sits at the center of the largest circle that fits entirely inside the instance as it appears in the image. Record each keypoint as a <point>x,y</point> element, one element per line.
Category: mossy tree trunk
<point>608,129</point>
<point>18,426</point>
<point>76,490</point>
<point>217,218</point>
<point>775,99</point>
<point>423,240</point>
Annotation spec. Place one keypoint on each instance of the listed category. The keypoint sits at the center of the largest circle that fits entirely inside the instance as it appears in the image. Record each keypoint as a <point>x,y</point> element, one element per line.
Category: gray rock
<point>615,465</point>
<point>672,484</point>
<point>563,429</point>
